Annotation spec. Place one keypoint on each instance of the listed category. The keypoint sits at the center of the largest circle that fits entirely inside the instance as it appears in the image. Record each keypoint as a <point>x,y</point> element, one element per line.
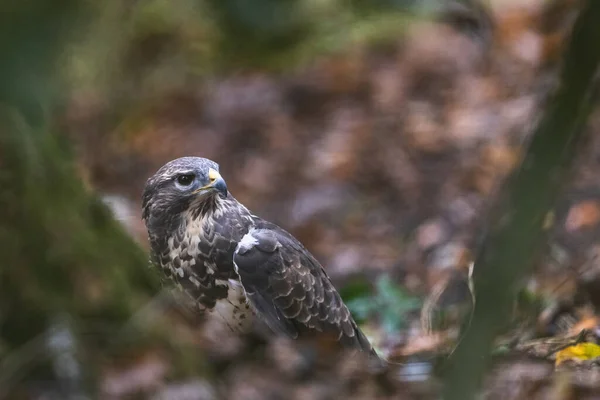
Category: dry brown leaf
<point>583,215</point>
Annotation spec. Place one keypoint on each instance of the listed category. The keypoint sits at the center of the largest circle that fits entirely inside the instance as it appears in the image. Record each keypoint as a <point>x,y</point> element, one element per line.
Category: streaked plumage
<point>235,264</point>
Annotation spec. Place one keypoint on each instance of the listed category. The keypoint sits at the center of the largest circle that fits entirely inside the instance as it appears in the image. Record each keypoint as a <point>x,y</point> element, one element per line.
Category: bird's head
<point>178,185</point>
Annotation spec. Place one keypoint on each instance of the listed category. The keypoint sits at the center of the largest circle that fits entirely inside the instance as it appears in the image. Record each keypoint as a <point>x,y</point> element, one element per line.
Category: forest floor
<point>383,161</point>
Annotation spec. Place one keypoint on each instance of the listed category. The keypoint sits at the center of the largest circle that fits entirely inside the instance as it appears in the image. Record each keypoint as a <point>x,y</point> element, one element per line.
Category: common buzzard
<point>235,264</point>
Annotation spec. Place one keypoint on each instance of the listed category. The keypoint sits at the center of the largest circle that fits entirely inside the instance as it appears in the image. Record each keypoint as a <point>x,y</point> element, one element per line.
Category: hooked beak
<point>216,182</point>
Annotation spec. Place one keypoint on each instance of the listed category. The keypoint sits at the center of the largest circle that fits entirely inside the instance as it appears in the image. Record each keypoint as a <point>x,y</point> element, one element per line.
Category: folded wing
<point>290,289</point>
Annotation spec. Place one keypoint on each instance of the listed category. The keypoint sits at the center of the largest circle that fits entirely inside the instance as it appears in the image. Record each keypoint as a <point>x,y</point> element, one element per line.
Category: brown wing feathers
<point>290,289</point>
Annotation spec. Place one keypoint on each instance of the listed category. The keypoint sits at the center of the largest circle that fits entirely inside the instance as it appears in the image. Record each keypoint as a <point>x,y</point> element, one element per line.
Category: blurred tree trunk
<point>516,232</point>
<point>64,259</point>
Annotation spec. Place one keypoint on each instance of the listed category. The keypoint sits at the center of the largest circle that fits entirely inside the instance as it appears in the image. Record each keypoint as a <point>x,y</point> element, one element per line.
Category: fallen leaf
<point>583,215</point>
<point>423,344</point>
<point>577,353</point>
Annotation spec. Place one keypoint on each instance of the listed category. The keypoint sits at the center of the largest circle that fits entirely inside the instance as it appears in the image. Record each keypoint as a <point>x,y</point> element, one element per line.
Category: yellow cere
<point>213,175</point>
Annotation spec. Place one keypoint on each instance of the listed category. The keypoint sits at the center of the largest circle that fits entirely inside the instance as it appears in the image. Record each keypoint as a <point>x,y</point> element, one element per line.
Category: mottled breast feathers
<point>289,288</point>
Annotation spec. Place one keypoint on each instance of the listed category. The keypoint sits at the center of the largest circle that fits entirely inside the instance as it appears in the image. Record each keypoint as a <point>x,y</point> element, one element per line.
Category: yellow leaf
<point>578,352</point>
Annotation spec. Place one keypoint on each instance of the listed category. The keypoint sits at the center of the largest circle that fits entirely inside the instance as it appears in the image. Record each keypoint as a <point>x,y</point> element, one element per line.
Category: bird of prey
<point>235,264</point>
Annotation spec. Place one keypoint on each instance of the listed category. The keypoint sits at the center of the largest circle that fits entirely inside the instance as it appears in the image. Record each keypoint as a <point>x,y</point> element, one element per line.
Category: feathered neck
<point>217,207</point>
<point>205,205</point>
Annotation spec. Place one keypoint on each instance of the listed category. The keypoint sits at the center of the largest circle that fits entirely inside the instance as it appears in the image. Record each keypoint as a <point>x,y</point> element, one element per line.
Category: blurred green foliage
<point>66,264</point>
<point>388,303</point>
<point>162,43</point>
<point>130,55</point>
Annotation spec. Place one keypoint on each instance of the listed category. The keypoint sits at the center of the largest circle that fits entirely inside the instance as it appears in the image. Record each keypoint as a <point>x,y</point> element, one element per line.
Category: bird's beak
<point>216,182</point>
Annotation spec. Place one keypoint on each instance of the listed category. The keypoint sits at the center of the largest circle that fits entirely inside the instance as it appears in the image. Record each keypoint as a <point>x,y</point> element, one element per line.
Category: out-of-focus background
<point>377,132</point>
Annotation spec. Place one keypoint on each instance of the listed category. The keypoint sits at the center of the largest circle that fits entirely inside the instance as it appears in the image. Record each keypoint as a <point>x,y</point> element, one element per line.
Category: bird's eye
<point>186,180</point>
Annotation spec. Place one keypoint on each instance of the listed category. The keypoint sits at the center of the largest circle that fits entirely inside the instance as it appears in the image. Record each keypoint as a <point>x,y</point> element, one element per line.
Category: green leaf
<point>389,304</point>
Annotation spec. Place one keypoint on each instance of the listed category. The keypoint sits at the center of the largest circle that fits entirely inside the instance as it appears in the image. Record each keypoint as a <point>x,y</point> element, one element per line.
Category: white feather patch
<point>234,310</point>
<point>247,242</point>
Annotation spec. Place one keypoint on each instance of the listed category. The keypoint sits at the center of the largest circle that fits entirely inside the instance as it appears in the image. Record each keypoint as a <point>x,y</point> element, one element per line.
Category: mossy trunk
<point>64,260</point>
